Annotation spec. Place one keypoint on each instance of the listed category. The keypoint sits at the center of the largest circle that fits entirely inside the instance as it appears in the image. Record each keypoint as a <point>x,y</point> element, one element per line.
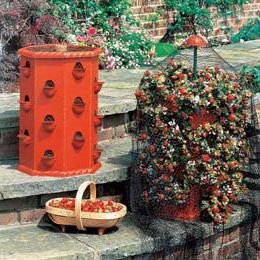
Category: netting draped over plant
<point>192,134</point>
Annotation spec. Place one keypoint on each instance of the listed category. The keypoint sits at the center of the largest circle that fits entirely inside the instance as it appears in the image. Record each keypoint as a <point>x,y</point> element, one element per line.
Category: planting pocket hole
<point>26,98</point>
<point>49,84</point>
<point>78,136</point>
<point>78,66</point>
<point>78,101</point>
<point>48,154</point>
<point>49,118</point>
<point>27,64</point>
<point>26,132</point>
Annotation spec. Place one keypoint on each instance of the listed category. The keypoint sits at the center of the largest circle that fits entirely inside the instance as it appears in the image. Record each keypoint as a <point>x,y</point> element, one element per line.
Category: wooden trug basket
<point>83,220</point>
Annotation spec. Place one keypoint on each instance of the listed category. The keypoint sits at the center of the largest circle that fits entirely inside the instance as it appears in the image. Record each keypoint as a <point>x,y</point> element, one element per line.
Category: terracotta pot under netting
<point>188,211</point>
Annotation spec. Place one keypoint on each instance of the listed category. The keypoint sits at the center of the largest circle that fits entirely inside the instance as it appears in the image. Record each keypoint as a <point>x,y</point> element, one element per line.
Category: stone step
<point>137,237</point>
<point>22,197</point>
<point>252,183</point>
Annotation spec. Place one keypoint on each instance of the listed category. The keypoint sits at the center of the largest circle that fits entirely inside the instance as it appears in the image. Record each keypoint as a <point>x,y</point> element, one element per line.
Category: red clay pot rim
<point>48,51</point>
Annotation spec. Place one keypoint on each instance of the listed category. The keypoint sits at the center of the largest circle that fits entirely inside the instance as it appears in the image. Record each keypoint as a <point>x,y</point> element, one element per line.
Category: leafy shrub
<point>24,23</point>
<point>125,46</point>
<point>195,16</point>
<point>251,31</point>
<point>252,75</point>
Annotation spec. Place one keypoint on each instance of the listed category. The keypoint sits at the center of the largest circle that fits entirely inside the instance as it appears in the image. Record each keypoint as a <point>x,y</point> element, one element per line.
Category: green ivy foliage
<point>251,31</point>
<point>197,16</point>
<point>97,14</point>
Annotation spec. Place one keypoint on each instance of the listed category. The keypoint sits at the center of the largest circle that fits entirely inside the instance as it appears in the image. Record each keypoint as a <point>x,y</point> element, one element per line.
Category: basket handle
<point>81,190</point>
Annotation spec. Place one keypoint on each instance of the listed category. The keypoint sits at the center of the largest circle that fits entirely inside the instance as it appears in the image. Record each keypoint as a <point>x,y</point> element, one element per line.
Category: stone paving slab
<point>30,242</point>
<point>115,160</point>
<point>237,54</point>
<point>136,235</point>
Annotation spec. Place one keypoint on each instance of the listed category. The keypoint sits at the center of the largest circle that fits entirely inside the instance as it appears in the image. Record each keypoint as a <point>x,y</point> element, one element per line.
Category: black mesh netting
<point>184,239</point>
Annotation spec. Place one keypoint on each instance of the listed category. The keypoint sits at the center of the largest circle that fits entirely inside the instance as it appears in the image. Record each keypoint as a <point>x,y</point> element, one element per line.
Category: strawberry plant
<point>191,134</point>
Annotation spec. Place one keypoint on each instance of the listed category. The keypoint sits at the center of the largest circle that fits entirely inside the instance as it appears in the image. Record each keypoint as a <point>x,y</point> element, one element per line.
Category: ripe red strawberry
<point>181,75</point>
<point>208,76</point>
<point>224,199</point>
<point>205,158</point>
<point>231,97</point>
<point>145,171</point>
<point>235,85</point>
<point>152,148</point>
<point>161,87</point>
<point>216,193</point>
<point>183,91</point>
<point>232,196</point>
<point>161,196</point>
<point>144,98</point>
<point>215,209</point>
<point>147,73</point>
<point>216,68</point>
<point>217,220</point>
<point>212,100</point>
<point>184,115</point>
<point>170,166</point>
<point>172,63</point>
<point>232,164</point>
<point>166,144</point>
<point>165,178</point>
<point>138,93</point>
<point>232,117</point>
<point>169,189</point>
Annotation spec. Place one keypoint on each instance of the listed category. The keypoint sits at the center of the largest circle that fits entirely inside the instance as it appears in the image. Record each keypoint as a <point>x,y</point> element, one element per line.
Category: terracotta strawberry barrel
<point>59,110</point>
<point>189,211</point>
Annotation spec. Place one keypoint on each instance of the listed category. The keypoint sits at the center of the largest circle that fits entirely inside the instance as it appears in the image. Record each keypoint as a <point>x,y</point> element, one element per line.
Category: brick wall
<point>235,243</point>
<point>144,9</point>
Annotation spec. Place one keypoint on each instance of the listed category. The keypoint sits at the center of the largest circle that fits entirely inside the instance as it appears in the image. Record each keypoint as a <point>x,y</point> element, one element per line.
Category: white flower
<point>196,99</point>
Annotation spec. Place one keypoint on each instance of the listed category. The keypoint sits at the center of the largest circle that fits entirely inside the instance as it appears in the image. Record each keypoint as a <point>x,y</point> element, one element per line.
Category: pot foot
<point>63,228</point>
<point>101,231</point>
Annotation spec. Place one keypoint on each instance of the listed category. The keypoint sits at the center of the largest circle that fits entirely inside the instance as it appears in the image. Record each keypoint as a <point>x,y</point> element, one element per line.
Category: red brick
<point>31,215</point>
<point>230,249</point>
<point>8,218</point>
<point>244,229</point>
<point>234,234</point>
<point>207,255</point>
<point>222,238</point>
